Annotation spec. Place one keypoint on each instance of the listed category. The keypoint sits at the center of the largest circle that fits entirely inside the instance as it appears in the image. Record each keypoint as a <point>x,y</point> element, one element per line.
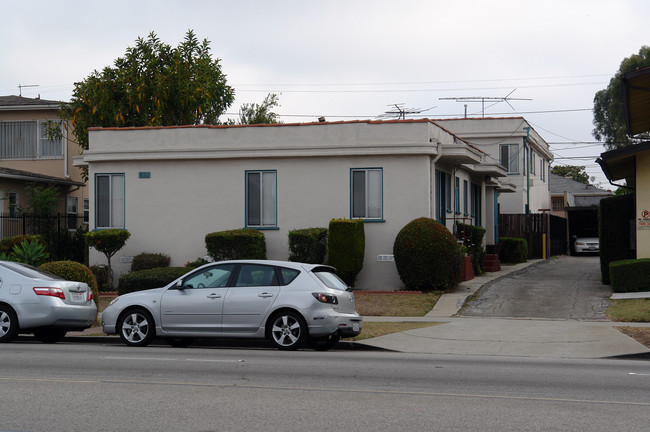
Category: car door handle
<point>214,296</point>
<point>265,295</point>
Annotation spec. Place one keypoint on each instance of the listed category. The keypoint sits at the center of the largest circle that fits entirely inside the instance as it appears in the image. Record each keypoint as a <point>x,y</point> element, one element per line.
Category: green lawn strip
<point>376,329</point>
<point>635,310</point>
<point>404,305</point>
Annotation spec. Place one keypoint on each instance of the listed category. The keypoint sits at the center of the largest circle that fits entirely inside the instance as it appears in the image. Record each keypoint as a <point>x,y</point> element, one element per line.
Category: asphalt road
<point>98,387</point>
<point>568,288</point>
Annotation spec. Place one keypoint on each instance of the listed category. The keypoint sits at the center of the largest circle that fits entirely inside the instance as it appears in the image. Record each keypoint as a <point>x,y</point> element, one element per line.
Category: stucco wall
<point>642,204</point>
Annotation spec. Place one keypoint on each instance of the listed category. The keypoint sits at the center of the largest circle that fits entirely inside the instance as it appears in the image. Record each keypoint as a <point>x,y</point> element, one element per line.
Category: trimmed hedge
<point>475,246</point>
<point>147,279</point>
<point>236,244</point>
<point>146,261</point>
<point>73,271</point>
<point>346,244</point>
<point>427,256</point>
<point>308,245</point>
<point>513,250</point>
<point>614,216</point>
<point>630,275</point>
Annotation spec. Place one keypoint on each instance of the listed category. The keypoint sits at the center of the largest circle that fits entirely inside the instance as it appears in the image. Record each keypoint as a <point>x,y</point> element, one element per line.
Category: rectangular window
<point>13,204</point>
<point>457,195</point>
<point>476,203</point>
<point>72,211</point>
<point>510,157</point>
<point>542,171</point>
<point>532,162</point>
<point>86,210</point>
<point>109,199</point>
<point>28,140</point>
<point>261,199</point>
<point>465,198</point>
<point>367,193</point>
<point>558,204</point>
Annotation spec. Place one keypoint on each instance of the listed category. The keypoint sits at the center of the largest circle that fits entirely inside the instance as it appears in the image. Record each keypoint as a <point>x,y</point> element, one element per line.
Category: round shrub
<point>73,271</point>
<point>147,279</point>
<point>146,261</point>
<point>427,256</point>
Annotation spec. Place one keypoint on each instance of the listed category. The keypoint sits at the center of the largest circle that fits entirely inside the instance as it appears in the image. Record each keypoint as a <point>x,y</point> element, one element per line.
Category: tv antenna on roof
<point>482,99</point>
<point>400,112</point>
<point>21,87</point>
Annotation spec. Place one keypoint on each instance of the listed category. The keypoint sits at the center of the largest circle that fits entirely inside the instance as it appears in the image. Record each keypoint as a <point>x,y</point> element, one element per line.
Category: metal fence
<point>25,224</point>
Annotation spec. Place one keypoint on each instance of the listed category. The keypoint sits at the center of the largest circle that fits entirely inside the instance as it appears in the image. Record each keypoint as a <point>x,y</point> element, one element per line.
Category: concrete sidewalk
<point>555,338</point>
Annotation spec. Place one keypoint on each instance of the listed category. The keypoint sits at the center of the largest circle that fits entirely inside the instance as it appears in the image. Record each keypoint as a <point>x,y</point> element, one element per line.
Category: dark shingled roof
<point>19,101</point>
<point>30,176</point>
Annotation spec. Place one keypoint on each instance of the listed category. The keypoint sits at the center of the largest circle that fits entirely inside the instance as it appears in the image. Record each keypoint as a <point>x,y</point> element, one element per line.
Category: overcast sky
<point>354,59</point>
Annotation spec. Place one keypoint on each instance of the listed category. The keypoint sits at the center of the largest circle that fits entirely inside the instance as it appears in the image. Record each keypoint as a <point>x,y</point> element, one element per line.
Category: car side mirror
<point>179,285</point>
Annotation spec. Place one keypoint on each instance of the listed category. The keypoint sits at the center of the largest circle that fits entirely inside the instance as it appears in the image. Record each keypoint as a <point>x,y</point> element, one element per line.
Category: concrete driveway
<point>567,288</point>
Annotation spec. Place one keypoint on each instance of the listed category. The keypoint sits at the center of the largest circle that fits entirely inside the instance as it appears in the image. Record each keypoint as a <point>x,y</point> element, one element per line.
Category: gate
<point>530,227</point>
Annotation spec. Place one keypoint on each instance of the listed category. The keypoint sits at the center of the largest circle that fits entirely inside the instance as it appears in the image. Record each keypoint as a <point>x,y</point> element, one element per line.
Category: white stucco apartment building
<point>520,149</point>
<point>170,186</point>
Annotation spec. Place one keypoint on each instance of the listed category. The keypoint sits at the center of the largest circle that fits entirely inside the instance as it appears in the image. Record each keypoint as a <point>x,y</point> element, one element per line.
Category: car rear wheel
<point>49,335</point>
<point>287,330</point>
<point>8,324</point>
<point>324,343</point>
<point>136,327</point>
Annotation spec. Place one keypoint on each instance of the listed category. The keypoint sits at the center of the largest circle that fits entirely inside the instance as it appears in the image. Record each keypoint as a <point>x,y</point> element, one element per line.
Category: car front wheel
<point>8,324</point>
<point>287,330</point>
<point>136,328</point>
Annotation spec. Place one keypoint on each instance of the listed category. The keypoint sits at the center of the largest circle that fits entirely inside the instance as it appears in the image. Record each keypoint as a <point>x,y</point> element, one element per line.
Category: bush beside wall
<point>236,244</point>
<point>147,279</point>
<point>146,261</point>
<point>475,246</point>
<point>346,244</point>
<point>630,275</point>
<point>308,245</point>
<point>73,271</point>
<point>614,221</point>
<point>513,250</point>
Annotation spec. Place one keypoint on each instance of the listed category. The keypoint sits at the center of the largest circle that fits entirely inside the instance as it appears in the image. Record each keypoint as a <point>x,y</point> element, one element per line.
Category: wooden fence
<point>527,226</point>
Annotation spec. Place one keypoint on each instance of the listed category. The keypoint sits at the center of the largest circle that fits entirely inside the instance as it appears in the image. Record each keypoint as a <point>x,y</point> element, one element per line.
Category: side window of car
<point>288,275</point>
<point>211,277</point>
<point>251,275</point>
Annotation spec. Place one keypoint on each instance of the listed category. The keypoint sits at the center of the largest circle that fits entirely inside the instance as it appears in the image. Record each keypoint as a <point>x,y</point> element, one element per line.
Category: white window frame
<point>86,210</point>
<point>512,159</point>
<point>12,207</point>
<point>266,202</point>
<point>367,199</point>
<point>27,140</point>
<point>115,201</point>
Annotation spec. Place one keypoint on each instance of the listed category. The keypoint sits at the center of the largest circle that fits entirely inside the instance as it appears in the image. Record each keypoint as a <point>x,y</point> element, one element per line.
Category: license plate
<point>355,326</point>
<point>78,297</point>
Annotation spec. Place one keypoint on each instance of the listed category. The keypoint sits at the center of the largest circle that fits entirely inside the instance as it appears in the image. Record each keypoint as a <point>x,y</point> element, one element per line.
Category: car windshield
<point>29,271</point>
<point>330,279</point>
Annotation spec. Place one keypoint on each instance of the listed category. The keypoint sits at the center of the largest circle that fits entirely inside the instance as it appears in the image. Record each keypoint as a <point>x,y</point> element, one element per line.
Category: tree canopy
<point>260,113</point>
<point>609,117</point>
<point>153,84</point>
<point>577,173</point>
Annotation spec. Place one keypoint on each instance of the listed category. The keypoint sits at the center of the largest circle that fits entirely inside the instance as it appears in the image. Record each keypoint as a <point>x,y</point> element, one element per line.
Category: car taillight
<point>90,295</point>
<point>326,298</point>
<point>53,292</point>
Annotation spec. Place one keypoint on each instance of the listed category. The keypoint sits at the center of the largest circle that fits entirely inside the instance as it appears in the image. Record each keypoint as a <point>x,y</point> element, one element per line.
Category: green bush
<point>513,250</point>
<point>427,256</point>
<point>614,220</point>
<point>474,244</point>
<point>74,271</point>
<point>236,244</point>
<point>101,274</point>
<point>7,244</point>
<point>346,243</point>
<point>146,261</point>
<point>147,279</point>
<point>108,242</point>
<point>630,275</point>
<point>30,252</point>
<point>196,263</point>
<point>308,245</point>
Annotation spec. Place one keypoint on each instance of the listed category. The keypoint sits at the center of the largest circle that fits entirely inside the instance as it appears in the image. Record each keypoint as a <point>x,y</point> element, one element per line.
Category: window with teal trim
<point>465,198</point>
<point>261,199</point>
<point>366,193</point>
<point>109,199</point>
<point>457,195</point>
<point>510,157</point>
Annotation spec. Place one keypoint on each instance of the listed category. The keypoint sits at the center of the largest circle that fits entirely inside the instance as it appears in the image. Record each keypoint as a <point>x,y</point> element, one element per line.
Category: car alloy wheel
<point>8,324</point>
<point>136,327</point>
<point>287,330</point>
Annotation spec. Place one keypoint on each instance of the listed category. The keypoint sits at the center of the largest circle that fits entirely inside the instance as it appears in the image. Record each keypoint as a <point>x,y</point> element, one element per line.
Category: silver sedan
<point>35,301</point>
<point>285,302</point>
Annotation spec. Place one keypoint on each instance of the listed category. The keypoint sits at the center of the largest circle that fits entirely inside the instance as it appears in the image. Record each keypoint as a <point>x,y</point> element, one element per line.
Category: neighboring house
<point>577,204</point>
<point>28,155</point>
<point>513,143</point>
<point>170,186</point>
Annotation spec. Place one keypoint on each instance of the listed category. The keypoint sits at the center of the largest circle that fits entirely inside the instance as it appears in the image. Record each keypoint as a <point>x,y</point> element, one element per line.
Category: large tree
<point>153,84</point>
<point>254,113</point>
<point>577,173</point>
<point>609,118</point>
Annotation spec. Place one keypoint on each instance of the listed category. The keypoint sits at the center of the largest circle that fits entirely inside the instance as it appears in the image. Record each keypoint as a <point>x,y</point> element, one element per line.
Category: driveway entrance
<point>564,288</point>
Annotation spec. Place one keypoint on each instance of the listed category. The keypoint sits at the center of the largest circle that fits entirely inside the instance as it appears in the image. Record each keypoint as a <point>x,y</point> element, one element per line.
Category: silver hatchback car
<point>287,303</point>
<point>35,301</point>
